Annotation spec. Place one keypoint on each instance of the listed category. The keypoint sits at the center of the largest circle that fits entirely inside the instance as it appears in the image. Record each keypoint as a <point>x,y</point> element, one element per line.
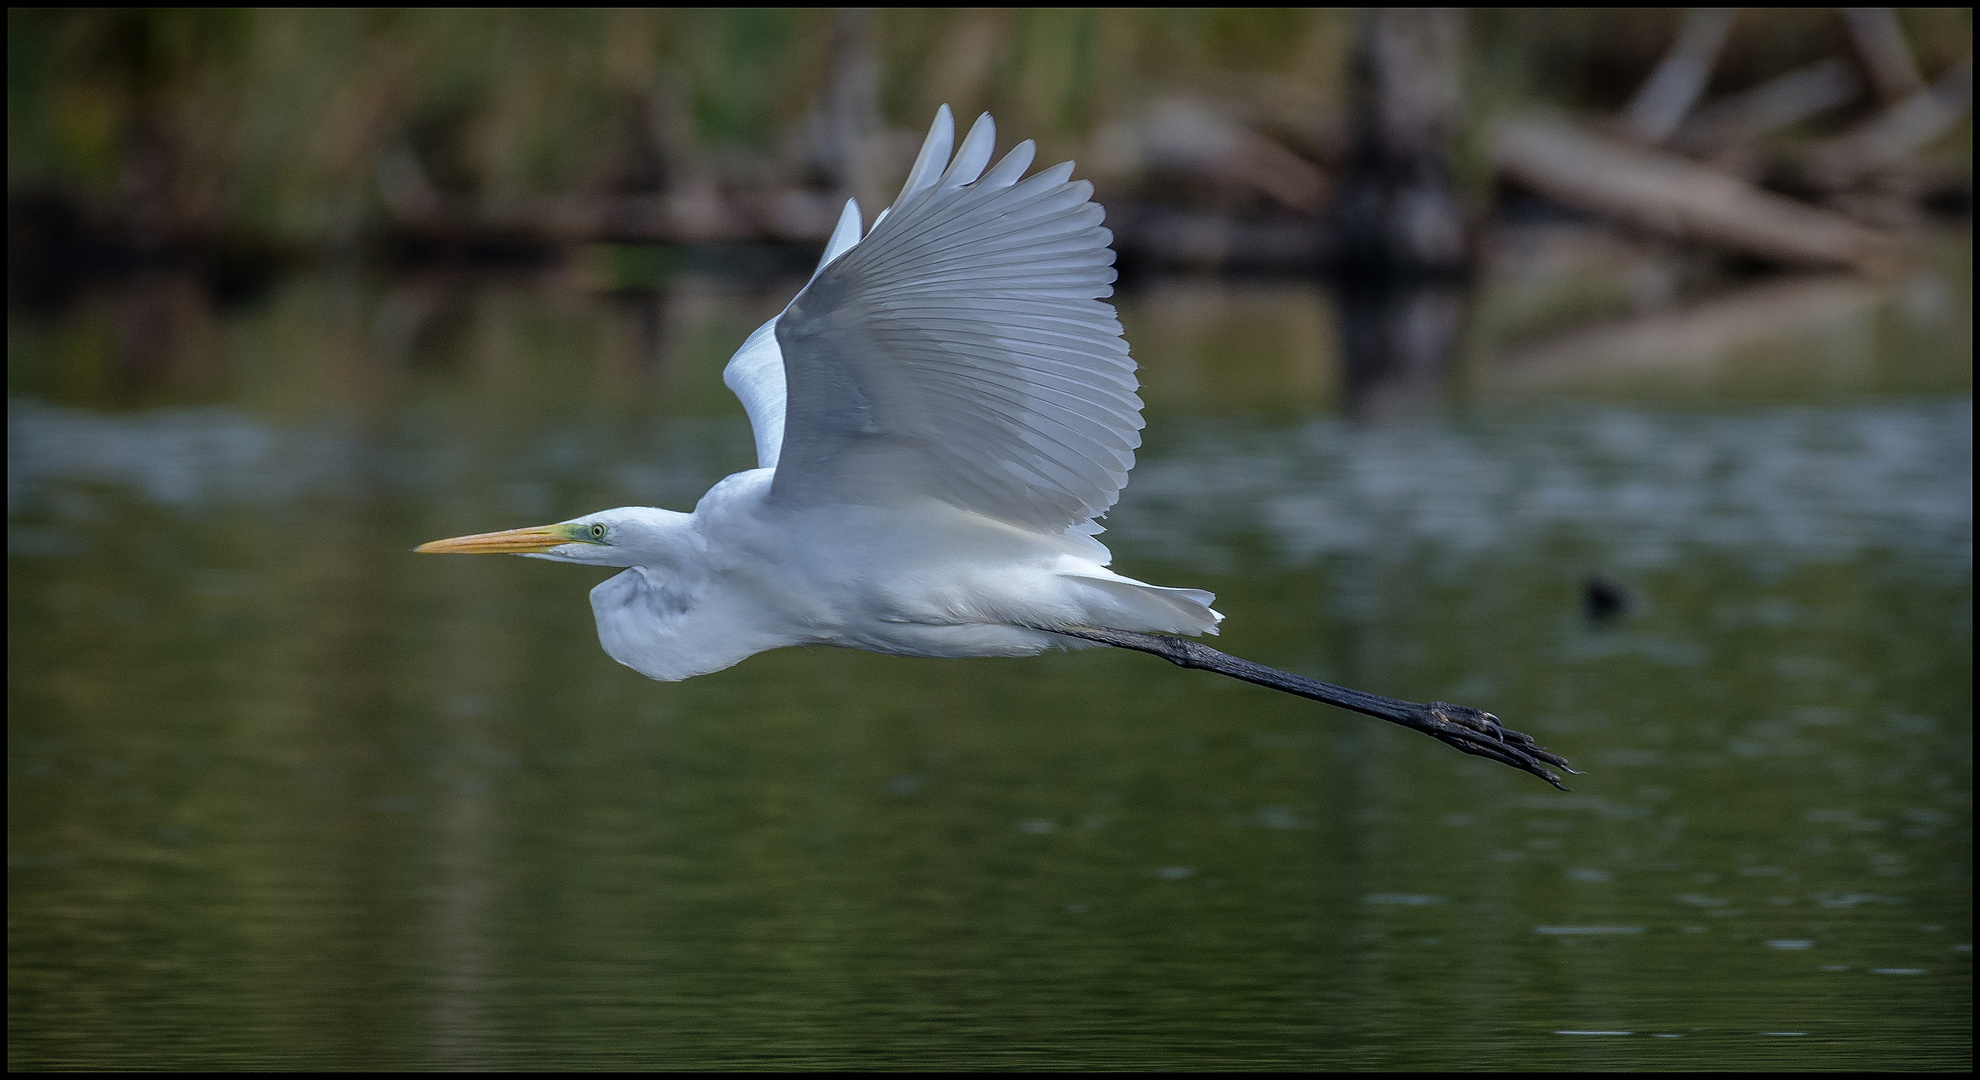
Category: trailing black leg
<point>1470,730</point>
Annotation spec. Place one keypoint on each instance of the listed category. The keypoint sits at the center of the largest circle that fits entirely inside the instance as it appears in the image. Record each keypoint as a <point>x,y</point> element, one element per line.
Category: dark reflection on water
<point>1397,346</point>
<point>284,795</point>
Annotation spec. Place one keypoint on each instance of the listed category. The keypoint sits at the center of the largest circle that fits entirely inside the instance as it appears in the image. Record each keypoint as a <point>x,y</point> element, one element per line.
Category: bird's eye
<point>597,531</point>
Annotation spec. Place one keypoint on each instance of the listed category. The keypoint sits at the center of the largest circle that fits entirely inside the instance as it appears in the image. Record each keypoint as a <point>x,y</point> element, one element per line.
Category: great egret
<point>940,415</point>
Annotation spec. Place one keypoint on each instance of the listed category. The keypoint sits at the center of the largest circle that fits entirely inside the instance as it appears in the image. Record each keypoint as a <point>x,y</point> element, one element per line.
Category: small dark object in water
<point>1605,598</point>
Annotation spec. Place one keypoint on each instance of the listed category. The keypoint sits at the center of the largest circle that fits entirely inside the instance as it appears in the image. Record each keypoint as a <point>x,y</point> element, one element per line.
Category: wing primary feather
<point>968,400</point>
<point>844,235</point>
<point>1065,236</point>
<point>1020,204</point>
<point>1087,239</point>
<point>1018,412</point>
<point>974,153</point>
<point>961,349</point>
<point>1055,250</point>
<point>934,155</point>
<point>1030,203</point>
<point>1023,203</point>
<point>1066,394</point>
<point>1011,169</point>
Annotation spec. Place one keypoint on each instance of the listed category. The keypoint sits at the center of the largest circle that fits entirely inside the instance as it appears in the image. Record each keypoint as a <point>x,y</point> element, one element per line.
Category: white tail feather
<point>1126,604</point>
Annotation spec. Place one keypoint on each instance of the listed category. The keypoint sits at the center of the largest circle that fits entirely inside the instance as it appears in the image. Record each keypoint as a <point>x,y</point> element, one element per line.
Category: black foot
<point>1475,731</point>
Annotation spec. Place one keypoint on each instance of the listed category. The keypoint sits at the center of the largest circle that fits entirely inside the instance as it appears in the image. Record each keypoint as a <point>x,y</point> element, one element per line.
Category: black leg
<point>1470,730</point>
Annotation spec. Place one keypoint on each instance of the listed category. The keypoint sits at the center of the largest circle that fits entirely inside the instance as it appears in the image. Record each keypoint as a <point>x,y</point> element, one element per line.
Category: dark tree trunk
<point>1397,214</point>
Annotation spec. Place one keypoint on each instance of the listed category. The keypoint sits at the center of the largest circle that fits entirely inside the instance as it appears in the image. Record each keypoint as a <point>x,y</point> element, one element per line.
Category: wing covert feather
<point>755,374</point>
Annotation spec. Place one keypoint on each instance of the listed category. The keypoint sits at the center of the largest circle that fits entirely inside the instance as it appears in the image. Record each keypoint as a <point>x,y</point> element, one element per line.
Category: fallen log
<point>1675,197</point>
<point>1773,105</point>
<point>1886,55</point>
<point>1668,95</point>
<point>1895,133</point>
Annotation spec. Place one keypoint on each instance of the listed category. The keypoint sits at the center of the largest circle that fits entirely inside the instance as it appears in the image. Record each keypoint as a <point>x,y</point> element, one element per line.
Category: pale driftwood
<point>1191,136</point>
<point>1886,55</point>
<point>1668,95</point>
<point>1675,197</point>
<point>1895,133</point>
<point>1769,107</point>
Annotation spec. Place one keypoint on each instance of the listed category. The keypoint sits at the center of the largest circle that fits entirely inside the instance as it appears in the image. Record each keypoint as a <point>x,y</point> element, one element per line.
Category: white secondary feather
<point>961,351</point>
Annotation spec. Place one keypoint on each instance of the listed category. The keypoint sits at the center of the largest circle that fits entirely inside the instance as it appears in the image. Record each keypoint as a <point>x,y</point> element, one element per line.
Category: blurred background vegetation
<point>278,133</point>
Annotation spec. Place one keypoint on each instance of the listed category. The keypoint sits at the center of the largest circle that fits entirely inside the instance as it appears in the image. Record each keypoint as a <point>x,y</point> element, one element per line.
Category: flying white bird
<point>940,415</point>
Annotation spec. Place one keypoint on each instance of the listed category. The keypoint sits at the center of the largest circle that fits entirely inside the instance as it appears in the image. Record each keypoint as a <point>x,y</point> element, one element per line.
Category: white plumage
<point>960,351</point>
<point>940,415</point>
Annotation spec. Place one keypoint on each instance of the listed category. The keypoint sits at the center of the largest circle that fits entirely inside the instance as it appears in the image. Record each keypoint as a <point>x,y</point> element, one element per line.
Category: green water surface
<point>283,795</point>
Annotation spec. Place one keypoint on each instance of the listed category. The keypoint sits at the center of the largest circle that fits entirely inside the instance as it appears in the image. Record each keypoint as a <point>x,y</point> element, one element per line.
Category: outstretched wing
<point>961,351</point>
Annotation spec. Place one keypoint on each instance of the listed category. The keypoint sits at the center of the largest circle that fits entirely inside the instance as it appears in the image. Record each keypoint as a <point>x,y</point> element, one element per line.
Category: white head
<point>627,536</point>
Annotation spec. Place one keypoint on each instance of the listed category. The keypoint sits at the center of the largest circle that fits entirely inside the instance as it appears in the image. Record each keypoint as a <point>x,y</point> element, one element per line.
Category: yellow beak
<point>510,542</point>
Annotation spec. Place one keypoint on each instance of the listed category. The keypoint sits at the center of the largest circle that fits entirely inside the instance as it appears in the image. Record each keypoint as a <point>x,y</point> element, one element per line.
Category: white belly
<point>924,580</point>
